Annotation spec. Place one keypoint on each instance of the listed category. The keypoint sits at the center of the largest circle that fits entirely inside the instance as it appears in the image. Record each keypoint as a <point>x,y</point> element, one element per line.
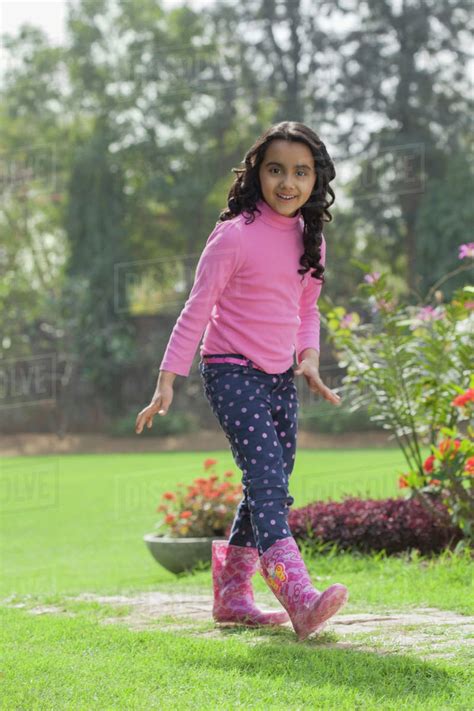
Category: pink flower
<point>346,321</point>
<point>466,251</point>
<point>430,313</point>
<point>371,278</point>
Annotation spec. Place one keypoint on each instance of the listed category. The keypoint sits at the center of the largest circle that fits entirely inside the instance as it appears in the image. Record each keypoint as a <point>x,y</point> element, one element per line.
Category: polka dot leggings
<point>258,413</point>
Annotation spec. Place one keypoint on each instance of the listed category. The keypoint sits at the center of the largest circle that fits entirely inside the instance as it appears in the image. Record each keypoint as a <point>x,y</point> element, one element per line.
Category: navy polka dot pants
<point>258,413</point>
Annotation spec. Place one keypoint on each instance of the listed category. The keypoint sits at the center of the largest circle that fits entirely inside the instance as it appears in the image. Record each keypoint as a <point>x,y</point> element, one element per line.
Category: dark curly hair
<point>246,191</point>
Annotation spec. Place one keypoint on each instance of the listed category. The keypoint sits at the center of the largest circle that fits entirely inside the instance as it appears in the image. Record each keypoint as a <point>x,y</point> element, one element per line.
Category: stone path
<point>426,632</point>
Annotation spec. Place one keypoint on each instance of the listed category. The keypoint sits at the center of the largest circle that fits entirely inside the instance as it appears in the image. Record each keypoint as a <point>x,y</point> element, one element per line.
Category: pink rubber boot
<point>285,572</point>
<point>232,570</point>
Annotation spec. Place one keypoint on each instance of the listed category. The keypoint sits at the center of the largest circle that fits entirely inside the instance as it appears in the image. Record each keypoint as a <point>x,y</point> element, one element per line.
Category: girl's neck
<point>273,218</point>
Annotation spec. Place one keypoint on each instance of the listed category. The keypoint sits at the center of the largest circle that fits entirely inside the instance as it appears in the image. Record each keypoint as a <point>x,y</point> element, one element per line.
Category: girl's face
<point>287,169</point>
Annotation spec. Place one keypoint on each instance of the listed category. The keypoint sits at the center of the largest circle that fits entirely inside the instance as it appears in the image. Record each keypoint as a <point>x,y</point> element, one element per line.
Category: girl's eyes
<point>298,171</point>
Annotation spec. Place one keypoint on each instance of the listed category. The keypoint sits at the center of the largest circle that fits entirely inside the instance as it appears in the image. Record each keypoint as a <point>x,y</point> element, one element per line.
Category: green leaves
<point>405,364</point>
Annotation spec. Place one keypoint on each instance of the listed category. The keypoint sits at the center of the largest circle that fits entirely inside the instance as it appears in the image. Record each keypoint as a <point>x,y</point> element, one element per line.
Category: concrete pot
<point>180,554</point>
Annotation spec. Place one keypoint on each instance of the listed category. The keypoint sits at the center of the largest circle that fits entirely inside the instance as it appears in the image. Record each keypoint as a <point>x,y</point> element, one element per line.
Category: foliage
<point>439,228</point>
<point>175,423</point>
<point>393,525</point>
<point>449,470</point>
<point>325,418</point>
<point>406,365</point>
<point>206,509</point>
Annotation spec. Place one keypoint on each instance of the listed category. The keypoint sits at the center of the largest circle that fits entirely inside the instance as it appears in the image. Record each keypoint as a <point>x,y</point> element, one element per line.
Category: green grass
<point>75,523</point>
<point>53,663</point>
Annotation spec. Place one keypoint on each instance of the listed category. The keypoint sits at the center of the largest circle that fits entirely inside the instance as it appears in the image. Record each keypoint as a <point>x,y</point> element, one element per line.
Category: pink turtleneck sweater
<point>247,296</point>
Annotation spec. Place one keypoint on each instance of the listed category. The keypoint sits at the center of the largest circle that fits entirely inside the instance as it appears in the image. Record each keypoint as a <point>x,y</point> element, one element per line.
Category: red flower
<point>446,444</point>
<point>169,495</point>
<point>463,398</point>
<point>228,474</point>
<point>428,466</point>
<point>170,518</point>
<point>434,481</point>
<point>208,463</point>
<point>469,468</point>
<point>185,514</point>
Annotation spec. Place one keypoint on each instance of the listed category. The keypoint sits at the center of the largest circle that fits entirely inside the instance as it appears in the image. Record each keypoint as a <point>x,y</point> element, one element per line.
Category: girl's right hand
<point>160,403</point>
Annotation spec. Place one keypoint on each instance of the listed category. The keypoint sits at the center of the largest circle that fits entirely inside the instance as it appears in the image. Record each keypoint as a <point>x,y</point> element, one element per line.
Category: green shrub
<point>173,423</point>
<point>324,417</point>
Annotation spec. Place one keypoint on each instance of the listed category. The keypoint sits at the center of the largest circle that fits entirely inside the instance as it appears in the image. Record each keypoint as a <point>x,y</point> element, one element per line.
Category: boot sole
<point>326,606</point>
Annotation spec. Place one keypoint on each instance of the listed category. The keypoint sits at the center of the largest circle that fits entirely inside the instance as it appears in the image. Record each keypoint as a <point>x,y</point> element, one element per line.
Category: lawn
<point>74,524</point>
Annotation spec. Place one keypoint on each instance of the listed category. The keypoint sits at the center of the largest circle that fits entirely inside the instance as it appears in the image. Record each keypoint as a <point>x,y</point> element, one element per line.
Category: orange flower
<point>469,468</point>
<point>162,507</point>
<point>169,495</point>
<point>229,499</point>
<point>185,514</point>
<point>208,463</point>
<point>446,445</point>
<point>402,482</point>
<point>200,480</point>
<point>463,398</point>
<point>428,466</point>
<point>170,518</point>
<point>228,474</point>
<point>434,481</point>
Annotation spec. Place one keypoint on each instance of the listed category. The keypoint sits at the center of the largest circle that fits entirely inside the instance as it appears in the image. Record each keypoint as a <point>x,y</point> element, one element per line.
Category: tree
<point>405,65</point>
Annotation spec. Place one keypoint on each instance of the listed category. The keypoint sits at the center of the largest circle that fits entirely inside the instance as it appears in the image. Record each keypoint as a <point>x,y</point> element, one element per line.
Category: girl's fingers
<point>327,393</point>
<point>147,414</point>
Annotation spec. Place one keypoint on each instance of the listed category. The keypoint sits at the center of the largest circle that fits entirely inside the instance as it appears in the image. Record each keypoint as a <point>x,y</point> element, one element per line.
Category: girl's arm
<point>219,260</point>
<point>308,331</point>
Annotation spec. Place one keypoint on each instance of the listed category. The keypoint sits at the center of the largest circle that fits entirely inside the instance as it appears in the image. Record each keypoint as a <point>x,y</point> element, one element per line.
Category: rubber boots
<point>232,570</point>
<point>285,573</point>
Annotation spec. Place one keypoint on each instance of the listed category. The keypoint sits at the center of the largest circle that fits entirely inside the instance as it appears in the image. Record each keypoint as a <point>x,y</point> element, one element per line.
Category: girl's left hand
<point>316,385</point>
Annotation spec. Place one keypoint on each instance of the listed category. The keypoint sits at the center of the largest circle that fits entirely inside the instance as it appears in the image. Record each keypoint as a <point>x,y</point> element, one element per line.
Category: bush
<point>393,525</point>
<point>410,366</point>
<point>175,423</point>
<point>324,417</point>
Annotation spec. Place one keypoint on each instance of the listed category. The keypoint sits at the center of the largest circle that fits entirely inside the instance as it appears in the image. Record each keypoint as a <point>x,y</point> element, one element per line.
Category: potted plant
<point>192,517</point>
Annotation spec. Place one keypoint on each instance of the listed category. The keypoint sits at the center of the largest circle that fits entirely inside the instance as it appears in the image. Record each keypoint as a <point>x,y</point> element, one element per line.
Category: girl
<point>257,309</point>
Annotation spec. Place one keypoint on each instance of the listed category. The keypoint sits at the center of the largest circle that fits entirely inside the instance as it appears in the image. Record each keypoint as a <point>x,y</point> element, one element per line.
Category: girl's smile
<point>287,176</point>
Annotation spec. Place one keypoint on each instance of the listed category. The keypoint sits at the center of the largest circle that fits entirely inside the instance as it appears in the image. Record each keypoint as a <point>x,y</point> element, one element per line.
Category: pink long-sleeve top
<point>248,297</point>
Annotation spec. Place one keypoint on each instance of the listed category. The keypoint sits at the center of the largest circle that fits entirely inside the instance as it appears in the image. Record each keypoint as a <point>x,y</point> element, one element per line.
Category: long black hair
<point>246,191</point>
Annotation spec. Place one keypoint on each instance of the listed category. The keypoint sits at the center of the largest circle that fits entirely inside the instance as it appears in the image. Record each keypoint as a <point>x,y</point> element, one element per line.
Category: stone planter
<point>180,554</point>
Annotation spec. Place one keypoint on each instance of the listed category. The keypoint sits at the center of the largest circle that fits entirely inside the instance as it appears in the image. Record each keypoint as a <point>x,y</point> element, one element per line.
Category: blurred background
<point>120,123</point>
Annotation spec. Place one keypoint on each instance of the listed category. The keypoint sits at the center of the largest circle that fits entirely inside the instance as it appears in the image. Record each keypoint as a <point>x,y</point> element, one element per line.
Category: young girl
<point>254,297</point>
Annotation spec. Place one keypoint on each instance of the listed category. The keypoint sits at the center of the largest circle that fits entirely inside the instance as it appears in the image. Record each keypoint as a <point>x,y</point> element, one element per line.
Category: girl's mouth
<point>286,198</point>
